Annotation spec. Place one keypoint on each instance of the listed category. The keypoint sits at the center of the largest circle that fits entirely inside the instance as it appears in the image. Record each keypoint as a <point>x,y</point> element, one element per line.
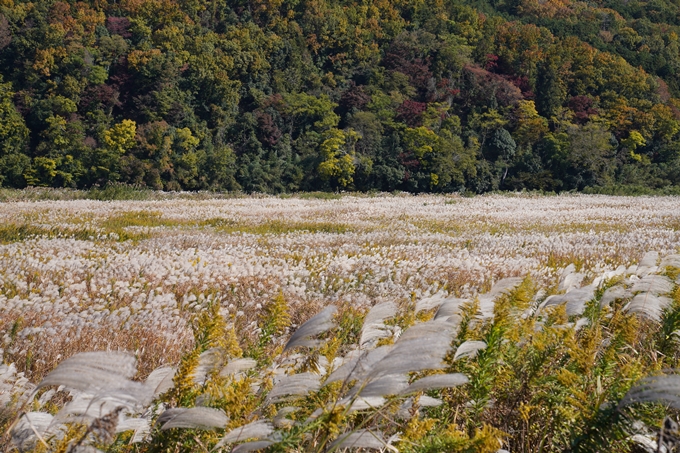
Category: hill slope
<point>287,95</point>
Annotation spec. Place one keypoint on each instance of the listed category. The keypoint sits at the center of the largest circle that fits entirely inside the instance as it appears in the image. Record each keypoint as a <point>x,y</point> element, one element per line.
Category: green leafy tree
<point>13,140</point>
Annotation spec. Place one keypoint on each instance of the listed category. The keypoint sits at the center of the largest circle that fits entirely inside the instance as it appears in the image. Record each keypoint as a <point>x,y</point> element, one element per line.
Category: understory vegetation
<point>327,95</point>
<point>511,369</point>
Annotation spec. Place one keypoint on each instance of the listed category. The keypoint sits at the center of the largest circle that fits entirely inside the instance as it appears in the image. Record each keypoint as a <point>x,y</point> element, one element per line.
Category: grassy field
<point>445,323</point>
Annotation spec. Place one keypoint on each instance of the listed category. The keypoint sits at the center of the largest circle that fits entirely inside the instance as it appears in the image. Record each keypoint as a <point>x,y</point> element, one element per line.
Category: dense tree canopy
<point>288,95</point>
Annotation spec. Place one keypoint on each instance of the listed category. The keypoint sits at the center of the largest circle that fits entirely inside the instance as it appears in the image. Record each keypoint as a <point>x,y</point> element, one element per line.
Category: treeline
<point>297,95</point>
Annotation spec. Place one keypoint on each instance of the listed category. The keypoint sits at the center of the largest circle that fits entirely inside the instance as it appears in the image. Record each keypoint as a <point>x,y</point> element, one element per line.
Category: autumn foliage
<point>188,95</point>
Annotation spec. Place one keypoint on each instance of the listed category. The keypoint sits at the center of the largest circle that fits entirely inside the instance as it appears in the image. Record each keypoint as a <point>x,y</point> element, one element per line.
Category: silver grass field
<point>516,323</point>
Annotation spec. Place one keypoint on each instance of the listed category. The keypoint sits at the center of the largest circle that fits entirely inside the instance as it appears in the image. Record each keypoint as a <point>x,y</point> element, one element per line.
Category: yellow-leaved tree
<point>337,151</point>
<point>121,137</point>
<point>531,127</point>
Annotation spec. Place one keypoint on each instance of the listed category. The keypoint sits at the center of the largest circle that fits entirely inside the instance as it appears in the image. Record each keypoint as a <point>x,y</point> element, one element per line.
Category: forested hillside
<point>290,95</point>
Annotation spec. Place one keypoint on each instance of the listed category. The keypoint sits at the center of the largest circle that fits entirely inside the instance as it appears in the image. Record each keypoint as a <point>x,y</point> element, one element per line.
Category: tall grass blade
<point>421,347</point>
<point>374,327</point>
<point>362,438</point>
<point>252,446</point>
<point>257,430</point>
<point>648,305</point>
<point>436,381</point>
<point>653,284</point>
<point>654,389</point>
<point>31,427</point>
<point>160,379</point>
<point>575,300</point>
<point>294,385</point>
<point>208,362</point>
<point>238,366</point>
<point>358,367</point>
<point>469,349</point>
<point>195,417</point>
<point>92,371</point>
<point>320,323</point>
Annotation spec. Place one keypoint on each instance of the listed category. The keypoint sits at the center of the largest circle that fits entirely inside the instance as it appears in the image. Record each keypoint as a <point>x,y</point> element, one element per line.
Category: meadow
<point>406,323</point>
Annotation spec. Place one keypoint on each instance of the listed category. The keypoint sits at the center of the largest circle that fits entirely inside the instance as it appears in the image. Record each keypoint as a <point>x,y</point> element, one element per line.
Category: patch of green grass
<point>120,192</point>
<point>40,194</point>
<point>135,219</point>
<point>113,191</point>
<point>632,190</point>
<point>119,225</point>
<point>13,232</point>
<point>275,227</point>
<point>319,195</point>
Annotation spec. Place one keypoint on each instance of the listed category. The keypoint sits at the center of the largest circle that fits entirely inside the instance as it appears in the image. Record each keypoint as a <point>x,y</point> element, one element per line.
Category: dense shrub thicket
<point>290,95</point>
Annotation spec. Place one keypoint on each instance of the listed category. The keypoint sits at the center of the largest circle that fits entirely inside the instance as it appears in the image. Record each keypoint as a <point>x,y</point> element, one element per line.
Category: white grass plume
<point>294,385</point>
<point>655,389</point>
<point>358,367</point>
<point>392,384</point>
<point>649,260</point>
<point>252,446</point>
<point>436,381</point>
<point>45,397</point>
<point>195,417</point>
<point>670,260</point>
<point>648,305</point>
<point>406,411</point>
<point>421,347</point>
<point>160,380</point>
<point>505,285</point>
<point>362,403</point>
<point>469,349</point>
<point>92,371</point>
<point>486,301</point>
<point>617,292</point>
<point>281,421</point>
<point>321,322</point>
<point>131,396</point>
<point>575,300</point>
<point>133,424</point>
<point>653,284</point>
<point>31,427</point>
<point>374,327</point>
<point>238,366</point>
<point>84,449</point>
<point>431,302</point>
<point>208,362</point>
<point>362,438</point>
<point>140,426</point>
<point>569,278</point>
<point>450,307</point>
<point>428,401</point>
<point>260,429</point>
